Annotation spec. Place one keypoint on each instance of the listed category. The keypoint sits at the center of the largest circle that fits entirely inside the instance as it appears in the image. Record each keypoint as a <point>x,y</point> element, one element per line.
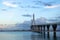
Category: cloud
<point>52,19</point>
<point>9,4</point>
<point>3,9</point>
<point>58,17</point>
<point>27,15</point>
<point>29,6</point>
<point>54,6</point>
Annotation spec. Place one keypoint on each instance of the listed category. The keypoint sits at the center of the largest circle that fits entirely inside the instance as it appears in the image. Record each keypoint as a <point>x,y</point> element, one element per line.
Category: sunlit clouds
<point>53,6</point>
<point>6,3</point>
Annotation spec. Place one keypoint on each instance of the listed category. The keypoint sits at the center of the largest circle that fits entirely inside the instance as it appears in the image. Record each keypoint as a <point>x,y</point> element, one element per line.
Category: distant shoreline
<point>25,31</point>
<point>13,30</point>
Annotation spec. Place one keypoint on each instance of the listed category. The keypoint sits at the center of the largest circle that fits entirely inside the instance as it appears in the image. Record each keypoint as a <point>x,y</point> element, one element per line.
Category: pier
<point>42,28</point>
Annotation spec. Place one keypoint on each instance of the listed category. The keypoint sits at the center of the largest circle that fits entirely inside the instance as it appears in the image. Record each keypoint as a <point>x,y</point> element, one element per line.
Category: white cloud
<point>9,4</point>
<point>54,6</point>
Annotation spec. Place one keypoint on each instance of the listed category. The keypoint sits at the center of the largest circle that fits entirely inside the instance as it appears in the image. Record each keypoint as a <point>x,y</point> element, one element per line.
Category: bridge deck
<point>58,23</point>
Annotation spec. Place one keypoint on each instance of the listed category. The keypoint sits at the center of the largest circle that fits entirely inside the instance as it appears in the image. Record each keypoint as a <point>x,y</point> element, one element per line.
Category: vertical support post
<point>34,27</point>
<point>48,27</point>
<point>38,28</point>
<point>54,27</point>
<point>44,30</point>
<point>48,36</point>
<point>41,28</point>
<point>44,27</point>
<point>54,30</point>
<point>31,27</point>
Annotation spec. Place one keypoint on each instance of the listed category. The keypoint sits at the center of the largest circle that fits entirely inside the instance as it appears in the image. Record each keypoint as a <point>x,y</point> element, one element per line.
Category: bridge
<point>40,28</point>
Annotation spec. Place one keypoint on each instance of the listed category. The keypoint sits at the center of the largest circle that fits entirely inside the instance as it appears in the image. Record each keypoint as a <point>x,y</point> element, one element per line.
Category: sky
<point>11,11</point>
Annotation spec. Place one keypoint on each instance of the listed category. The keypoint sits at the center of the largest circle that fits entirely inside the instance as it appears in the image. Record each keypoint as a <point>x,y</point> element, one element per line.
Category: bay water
<point>28,36</point>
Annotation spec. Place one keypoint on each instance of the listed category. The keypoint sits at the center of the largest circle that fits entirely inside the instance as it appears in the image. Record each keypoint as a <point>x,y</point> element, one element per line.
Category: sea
<point>29,35</point>
<point>23,35</point>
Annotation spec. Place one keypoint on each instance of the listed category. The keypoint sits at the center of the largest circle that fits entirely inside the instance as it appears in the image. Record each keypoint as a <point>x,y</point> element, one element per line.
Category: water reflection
<point>48,35</point>
<point>29,36</point>
<point>54,36</point>
<point>44,36</point>
<point>36,37</point>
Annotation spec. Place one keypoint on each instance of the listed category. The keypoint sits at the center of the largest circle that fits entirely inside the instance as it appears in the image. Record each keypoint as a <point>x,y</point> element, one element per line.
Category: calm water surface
<point>29,36</point>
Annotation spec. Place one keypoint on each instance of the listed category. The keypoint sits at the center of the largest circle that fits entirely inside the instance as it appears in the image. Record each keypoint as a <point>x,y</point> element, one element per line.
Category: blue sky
<point>11,11</point>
